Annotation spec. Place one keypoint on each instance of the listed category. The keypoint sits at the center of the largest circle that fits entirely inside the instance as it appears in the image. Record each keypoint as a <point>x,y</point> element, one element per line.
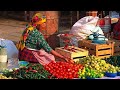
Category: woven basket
<point>114,20</point>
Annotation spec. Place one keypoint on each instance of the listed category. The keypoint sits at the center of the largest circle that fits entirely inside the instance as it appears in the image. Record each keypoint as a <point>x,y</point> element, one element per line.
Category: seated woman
<point>32,45</point>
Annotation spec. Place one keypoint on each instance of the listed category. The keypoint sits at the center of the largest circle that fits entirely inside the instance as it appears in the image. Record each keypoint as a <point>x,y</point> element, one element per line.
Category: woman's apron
<point>36,56</point>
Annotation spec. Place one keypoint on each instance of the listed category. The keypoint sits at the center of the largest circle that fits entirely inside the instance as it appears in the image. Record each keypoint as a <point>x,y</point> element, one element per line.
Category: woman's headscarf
<point>38,18</point>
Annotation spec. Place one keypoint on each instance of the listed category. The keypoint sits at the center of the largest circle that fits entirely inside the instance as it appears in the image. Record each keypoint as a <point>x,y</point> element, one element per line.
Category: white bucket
<point>3,55</point>
<point>3,65</point>
<point>3,58</point>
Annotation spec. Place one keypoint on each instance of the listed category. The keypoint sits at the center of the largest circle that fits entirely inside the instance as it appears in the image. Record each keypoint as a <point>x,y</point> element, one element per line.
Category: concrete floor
<point>11,29</point>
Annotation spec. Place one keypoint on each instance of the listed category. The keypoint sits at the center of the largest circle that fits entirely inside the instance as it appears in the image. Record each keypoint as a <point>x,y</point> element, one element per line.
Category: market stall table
<point>14,63</point>
<point>117,77</point>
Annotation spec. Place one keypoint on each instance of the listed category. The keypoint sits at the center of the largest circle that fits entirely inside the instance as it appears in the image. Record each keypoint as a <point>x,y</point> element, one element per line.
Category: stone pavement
<point>11,29</point>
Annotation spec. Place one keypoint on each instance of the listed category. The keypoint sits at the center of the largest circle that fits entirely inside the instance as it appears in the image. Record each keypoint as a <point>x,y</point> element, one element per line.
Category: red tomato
<point>68,69</point>
<point>76,76</point>
<point>65,76</point>
<point>57,71</point>
<point>51,71</point>
<point>54,73</point>
<point>70,77</point>
<point>70,73</point>
<point>26,71</point>
<point>73,71</point>
<point>61,77</point>
<point>73,74</point>
<point>34,70</point>
<point>76,69</point>
<point>63,73</point>
<point>30,68</point>
<point>61,66</point>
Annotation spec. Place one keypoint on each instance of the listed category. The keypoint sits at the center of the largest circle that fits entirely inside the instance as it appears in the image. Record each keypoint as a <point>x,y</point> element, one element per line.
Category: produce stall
<point>93,59</point>
<point>88,67</point>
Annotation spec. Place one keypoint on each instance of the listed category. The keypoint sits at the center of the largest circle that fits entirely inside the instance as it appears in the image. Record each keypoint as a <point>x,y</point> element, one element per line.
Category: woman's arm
<point>47,48</point>
<point>59,55</point>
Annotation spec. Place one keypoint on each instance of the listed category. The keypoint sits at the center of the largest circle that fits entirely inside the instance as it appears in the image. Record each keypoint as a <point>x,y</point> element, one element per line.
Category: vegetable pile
<point>63,70</point>
<point>114,60</point>
<point>95,63</point>
<point>88,73</point>
<point>32,71</point>
<point>89,67</point>
<point>96,68</point>
<point>4,77</point>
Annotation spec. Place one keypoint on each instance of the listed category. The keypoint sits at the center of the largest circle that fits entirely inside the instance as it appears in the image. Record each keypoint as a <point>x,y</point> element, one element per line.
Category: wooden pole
<point>77,15</point>
<point>71,19</point>
<point>25,17</point>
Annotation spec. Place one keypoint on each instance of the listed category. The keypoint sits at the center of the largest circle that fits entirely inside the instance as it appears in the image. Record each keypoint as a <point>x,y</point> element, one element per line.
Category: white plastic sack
<point>12,51</point>
<point>113,14</point>
<point>83,28</point>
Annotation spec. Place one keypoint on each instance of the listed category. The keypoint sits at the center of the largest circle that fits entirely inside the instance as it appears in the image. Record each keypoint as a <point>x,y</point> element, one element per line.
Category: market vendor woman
<point>32,45</point>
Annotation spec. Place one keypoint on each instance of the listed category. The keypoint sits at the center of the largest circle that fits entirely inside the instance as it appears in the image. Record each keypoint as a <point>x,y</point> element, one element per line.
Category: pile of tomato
<point>63,70</point>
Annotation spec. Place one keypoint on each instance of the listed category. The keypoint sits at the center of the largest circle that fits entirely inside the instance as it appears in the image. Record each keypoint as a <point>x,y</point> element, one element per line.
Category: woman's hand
<point>68,60</point>
<point>62,57</point>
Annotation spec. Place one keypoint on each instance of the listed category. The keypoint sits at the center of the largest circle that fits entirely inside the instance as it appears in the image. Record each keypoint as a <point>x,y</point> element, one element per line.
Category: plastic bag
<point>3,52</point>
<point>12,51</point>
<point>83,28</point>
<point>13,63</point>
<point>113,14</point>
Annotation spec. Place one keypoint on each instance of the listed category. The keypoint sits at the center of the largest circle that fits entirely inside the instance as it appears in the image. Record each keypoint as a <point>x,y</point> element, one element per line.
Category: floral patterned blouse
<point>36,40</point>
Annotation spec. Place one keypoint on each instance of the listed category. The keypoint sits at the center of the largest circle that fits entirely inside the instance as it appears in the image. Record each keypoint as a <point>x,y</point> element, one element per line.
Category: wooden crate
<point>98,50</point>
<point>91,13</point>
<point>116,46</point>
<point>79,53</point>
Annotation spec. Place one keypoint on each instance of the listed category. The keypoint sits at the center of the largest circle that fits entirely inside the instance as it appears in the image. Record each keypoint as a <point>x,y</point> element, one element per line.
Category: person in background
<point>32,45</point>
<point>116,30</point>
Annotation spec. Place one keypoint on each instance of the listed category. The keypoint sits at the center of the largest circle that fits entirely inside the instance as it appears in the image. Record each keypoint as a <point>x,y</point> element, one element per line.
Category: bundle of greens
<point>32,71</point>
